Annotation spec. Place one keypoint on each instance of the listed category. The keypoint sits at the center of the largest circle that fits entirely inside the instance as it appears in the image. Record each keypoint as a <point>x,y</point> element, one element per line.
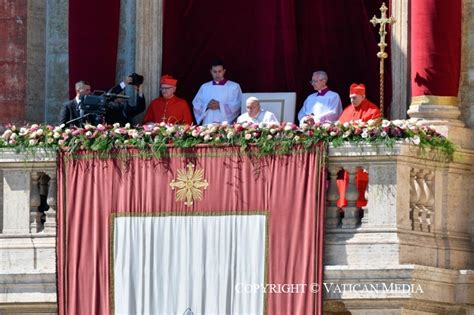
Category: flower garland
<point>268,138</point>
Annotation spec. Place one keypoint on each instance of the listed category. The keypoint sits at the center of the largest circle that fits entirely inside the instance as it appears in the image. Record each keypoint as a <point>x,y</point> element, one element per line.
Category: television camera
<point>93,108</point>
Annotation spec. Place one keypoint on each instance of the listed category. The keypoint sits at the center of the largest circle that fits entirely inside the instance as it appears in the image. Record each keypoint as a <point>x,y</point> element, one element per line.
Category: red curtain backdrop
<point>93,39</point>
<point>289,188</point>
<point>435,47</point>
<point>274,46</point>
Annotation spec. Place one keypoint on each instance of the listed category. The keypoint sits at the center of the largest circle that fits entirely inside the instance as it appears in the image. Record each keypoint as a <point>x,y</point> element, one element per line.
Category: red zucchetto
<point>358,89</point>
<point>167,79</point>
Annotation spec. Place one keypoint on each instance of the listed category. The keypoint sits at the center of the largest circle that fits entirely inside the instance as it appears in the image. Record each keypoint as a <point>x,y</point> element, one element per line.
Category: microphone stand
<point>78,118</point>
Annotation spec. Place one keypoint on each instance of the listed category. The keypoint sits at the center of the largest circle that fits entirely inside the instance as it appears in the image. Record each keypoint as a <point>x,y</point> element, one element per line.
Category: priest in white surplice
<point>218,100</point>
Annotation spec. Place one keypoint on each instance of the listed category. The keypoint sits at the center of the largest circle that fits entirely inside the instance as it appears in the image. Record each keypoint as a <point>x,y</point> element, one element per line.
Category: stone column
<point>149,44</point>
<point>57,59</point>
<point>35,201</point>
<point>399,53</point>
<point>435,67</point>
<point>50,224</point>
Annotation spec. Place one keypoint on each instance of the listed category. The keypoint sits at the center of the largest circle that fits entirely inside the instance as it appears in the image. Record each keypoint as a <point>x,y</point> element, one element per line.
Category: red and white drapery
<point>126,244</point>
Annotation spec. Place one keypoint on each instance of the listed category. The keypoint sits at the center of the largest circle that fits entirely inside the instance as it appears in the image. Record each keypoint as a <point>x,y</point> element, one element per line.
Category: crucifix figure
<point>383,20</point>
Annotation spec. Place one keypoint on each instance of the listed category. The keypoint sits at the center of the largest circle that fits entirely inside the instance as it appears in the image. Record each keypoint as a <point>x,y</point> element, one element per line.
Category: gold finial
<point>383,21</point>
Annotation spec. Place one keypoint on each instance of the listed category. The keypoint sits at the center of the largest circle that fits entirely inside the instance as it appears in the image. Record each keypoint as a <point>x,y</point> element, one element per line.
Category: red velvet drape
<point>435,47</point>
<point>93,39</point>
<point>274,46</point>
<point>289,189</point>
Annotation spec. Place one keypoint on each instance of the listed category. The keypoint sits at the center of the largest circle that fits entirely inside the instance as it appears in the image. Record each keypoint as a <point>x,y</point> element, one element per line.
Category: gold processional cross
<point>383,20</point>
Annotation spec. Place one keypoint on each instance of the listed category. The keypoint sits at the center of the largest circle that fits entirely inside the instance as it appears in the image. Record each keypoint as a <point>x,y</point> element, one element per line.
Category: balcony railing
<point>419,212</point>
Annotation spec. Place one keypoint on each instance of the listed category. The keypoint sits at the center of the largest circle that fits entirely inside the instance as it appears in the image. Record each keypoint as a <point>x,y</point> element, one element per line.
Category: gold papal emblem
<point>189,185</point>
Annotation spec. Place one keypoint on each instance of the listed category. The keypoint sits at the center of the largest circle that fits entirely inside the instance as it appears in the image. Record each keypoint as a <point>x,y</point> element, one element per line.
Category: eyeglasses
<point>314,81</point>
<point>164,88</point>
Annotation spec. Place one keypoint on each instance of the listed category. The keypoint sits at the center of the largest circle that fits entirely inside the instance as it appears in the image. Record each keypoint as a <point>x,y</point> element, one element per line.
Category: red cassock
<point>365,111</point>
<point>173,110</point>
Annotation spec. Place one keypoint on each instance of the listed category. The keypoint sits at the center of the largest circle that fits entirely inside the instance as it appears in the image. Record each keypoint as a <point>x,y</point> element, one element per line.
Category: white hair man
<point>255,114</point>
<point>323,105</point>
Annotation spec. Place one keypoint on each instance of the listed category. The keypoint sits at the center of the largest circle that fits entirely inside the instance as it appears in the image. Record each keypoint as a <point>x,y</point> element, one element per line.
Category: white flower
<point>127,125</point>
<point>61,142</point>
<point>398,122</point>
<point>371,122</point>
<point>34,126</point>
<point>269,137</point>
<point>415,140</point>
<point>333,133</point>
<point>23,131</point>
<point>50,140</point>
<point>13,136</point>
<point>383,134</point>
<point>245,125</point>
<point>88,134</point>
<point>364,134</point>
<point>6,135</point>
<point>304,126</point>
<point>248,136</point>
<point>207,137</point>
<point>287,127</point>
<point>170,130</point>
<point>116,125</point>
<point>230,135</point>
<point>33,141</point>
<point>346,124</point>
<point>273,131</point>
<point>195,133</point>
<point>225,123</point>
<point>296,138</point>
<point>385,123</point>
<point>147,133</point>
<point>326,126</point>
<point>39,132</point>
<point>12,141</point>
<point>346,134</point>
<point>89,127</point>
<point>57,129</point>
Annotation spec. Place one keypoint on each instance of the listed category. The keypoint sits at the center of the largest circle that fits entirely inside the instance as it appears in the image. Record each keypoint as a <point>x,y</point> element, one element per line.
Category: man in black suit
<point>70,109</point>
<point>118,111</point>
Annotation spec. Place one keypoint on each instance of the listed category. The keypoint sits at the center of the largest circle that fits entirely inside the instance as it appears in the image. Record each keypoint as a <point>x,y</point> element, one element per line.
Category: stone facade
<point>13,42</point>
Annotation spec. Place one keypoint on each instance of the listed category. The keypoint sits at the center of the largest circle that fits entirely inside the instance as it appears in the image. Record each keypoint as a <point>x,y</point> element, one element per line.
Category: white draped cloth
<point>205,264</point>
<point>327,107</point>
<point>229,96</point>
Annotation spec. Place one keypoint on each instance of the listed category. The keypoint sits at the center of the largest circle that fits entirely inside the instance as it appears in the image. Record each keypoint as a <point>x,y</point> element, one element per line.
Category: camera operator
<point>70,110</point>
<point>118,110</point>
